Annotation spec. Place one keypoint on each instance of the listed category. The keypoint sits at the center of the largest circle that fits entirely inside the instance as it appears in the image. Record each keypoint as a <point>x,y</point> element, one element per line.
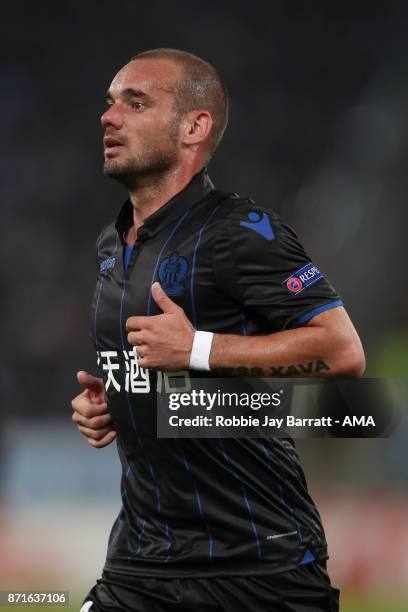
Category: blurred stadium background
<point>318,131</point>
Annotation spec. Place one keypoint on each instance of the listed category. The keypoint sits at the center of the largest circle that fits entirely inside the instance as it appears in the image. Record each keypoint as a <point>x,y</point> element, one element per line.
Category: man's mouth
<point>111,143</point>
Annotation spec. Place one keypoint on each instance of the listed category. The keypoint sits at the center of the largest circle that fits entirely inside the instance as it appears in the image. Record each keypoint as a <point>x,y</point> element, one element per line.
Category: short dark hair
<point>200,87</point>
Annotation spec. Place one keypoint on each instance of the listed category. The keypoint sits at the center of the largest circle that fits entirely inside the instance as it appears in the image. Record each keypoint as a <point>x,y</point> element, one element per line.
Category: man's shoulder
<point>234,206</point>
<point>239,213</point>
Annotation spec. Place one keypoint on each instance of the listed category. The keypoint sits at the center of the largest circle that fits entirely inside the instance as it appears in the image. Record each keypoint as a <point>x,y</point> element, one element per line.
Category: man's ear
<point>196,127</point>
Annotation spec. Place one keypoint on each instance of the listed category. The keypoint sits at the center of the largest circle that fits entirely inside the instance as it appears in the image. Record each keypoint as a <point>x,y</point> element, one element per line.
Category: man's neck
<point>153,194</point>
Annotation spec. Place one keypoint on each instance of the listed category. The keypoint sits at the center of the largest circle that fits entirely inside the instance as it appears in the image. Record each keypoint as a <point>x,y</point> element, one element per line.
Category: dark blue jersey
<point>204,507</point>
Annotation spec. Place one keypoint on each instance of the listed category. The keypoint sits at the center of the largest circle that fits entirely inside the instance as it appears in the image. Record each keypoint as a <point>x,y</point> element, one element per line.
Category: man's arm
<point>328,341</point>
<point>328,345</point>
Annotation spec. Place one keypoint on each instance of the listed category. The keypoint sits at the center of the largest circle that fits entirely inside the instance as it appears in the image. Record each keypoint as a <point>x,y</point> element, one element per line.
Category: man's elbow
<point>351,360</point>
<point>345,353</point>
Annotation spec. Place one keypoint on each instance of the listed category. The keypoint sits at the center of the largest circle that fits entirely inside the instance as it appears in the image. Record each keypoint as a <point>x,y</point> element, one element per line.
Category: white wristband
<point>200,353</point>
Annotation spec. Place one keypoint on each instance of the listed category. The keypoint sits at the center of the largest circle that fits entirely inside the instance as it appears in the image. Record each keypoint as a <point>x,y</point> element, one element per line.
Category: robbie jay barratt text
<point>267,421</point>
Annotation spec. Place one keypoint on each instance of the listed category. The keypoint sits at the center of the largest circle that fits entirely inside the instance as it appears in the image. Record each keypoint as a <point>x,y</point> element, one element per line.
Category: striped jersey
<point>203,507</point>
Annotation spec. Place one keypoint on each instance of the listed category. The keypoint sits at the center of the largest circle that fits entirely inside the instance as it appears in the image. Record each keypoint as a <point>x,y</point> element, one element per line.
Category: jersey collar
<point>199,186</point>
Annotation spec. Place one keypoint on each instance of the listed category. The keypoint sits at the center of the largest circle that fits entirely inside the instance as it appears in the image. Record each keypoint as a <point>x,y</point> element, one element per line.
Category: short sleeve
<point>260,263</point>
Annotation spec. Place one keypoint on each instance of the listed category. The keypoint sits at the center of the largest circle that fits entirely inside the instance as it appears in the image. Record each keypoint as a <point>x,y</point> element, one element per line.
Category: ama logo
<point>303,278</point>
<point>260,224</point>
<point>172,271</point>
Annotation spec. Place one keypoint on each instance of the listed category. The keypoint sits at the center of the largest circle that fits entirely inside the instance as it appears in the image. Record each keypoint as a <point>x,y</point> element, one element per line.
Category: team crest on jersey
<point>172,271</point>
<point>303,278</point>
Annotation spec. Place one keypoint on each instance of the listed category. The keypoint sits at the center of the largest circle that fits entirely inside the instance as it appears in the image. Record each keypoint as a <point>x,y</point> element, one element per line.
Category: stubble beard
<point>150,164</point>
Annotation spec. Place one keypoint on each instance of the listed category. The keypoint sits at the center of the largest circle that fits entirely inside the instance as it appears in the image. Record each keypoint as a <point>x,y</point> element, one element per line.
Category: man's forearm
<point>310,351</point>
<point>328,345</point>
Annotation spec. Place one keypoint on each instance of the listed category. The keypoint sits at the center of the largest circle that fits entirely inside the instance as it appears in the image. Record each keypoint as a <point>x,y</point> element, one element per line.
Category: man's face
<point>141,125</point>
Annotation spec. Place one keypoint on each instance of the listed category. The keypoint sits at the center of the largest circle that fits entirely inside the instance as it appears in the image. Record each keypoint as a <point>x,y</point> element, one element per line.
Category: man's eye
<point>137,105</point>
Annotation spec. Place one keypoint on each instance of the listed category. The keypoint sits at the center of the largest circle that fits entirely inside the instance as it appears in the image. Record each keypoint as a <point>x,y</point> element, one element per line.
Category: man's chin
<point>112,169</point>
<point>118,172</point>
<point>129,172</point>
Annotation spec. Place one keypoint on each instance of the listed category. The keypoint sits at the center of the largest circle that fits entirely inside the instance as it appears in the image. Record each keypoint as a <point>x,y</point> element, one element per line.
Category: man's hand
<point>163,342</point>
<point>91,412</point>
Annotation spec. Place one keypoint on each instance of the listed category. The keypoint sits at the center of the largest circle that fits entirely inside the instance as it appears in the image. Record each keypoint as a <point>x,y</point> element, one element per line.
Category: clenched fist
<point>91,412</point>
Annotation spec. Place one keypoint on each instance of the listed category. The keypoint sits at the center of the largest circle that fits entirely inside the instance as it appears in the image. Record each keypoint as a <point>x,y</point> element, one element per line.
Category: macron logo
<point>107,264</point>
<point>259,224</point>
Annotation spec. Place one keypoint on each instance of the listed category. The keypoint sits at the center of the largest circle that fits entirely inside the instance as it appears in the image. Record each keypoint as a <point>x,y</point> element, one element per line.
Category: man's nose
<point>112,116</point>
